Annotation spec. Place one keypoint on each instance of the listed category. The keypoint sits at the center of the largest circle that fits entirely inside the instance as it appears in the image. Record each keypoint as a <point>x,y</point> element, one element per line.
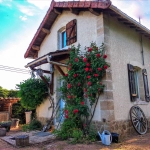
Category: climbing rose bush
<point>82,87</point>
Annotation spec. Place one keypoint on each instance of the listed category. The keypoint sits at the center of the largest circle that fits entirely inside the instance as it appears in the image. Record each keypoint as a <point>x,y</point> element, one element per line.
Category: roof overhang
<point>95,7</point>
<point>52,57</point>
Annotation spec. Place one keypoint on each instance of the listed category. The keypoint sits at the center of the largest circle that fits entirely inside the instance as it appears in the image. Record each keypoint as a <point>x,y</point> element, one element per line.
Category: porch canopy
<point>52,57</point>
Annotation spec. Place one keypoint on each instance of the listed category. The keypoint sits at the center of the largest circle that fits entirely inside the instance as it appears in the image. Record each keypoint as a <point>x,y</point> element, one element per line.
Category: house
<point>127,45</point>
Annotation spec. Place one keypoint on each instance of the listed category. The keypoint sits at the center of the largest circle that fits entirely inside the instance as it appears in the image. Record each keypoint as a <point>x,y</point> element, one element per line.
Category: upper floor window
<point>62,39</point>
<point>67,35</point>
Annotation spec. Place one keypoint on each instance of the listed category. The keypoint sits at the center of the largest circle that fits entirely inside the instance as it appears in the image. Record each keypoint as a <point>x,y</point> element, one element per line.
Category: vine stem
<point>94,109</point>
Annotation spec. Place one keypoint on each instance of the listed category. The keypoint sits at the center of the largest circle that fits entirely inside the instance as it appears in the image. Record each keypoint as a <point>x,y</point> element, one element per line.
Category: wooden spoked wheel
<point>138,120</point>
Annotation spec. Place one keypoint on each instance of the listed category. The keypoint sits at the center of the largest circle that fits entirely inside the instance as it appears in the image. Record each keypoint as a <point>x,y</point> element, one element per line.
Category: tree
<point>3,92</point>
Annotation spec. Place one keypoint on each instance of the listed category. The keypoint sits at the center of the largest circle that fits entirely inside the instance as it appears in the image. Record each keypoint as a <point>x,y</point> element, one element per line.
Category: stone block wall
<point>123,127</point>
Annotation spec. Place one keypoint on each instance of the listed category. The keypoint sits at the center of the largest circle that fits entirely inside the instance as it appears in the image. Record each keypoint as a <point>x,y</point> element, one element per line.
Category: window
<point>67,35</point>
<point>62,39</point>
<point>138,83</point>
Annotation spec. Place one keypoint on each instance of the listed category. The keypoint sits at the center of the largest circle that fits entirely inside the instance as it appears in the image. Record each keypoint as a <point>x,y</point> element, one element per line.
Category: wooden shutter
<point>71,32</point>
<point>132,86</point>
<point>146,88</point>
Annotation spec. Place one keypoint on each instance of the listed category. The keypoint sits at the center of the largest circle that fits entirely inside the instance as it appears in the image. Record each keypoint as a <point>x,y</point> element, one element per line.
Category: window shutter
<point>71,30</point>
<point>146,88</point>
<point>132,86</point>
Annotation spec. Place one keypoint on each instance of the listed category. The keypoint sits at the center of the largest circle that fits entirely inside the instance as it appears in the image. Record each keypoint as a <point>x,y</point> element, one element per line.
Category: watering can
<point>106,137</point>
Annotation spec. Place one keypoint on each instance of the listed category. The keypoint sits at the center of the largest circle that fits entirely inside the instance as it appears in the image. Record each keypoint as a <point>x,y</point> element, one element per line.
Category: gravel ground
<point>136,142</point>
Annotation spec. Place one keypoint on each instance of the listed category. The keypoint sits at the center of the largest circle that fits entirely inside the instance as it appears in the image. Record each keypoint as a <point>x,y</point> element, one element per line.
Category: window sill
<point>64,48</point>
<point>140,102</point>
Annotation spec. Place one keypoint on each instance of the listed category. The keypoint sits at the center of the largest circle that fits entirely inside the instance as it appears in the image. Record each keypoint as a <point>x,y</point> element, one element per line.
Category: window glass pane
<point>64,39</point>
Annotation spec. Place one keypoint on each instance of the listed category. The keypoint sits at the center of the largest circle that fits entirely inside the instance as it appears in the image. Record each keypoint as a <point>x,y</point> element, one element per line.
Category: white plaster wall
<point>125,48</point>
<point>86,33</point>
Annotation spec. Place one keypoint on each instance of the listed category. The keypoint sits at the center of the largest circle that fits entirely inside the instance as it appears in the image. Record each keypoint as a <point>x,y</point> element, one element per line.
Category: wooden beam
<point>74,11</point>
<point>97,13</point>
<point>46,31</point>
<point>37,48</point>
<point>57,11</point>
<point>45,81</point>
<point>60,70</point>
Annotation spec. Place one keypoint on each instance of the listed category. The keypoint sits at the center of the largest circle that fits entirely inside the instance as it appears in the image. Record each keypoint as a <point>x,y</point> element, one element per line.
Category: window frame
<point>134,71</point>
<point>60,39</point>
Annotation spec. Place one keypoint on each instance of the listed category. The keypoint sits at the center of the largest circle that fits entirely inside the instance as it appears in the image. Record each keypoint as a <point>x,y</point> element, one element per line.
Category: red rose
<point>90,69</point>
<point>100,83</point>
<point>84,125</point>
<point>81,57</point>
<point>86,69</point>
<point>69,68</point>
<point>69,96</point>
<point>85,95</point>
<point>105,56</point>
<point>66,111</point>
<point>84,59</point>
<point>98,55</point>
<point>105,66</point>
<point>85,90</point>
<point>79,84</point>
<point>89,83</point>
<point>95,75</point>
<point>89,49</point>
<point>66,75</point>
<point>99,89</point>
<point>82,103</point>
<point>76,59</point>
<point>69,85</point>
<point>88,64</point>
<point>99,69</point>
<point>75,75</point>
<point>88,77</point>
<point>66,116</point>
<point>75,111</point>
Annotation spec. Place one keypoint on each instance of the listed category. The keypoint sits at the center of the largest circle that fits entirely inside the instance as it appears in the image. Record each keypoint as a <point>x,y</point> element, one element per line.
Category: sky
<point>19,20</point>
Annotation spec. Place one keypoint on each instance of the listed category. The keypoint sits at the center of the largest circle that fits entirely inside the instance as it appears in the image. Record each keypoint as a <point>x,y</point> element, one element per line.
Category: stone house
<point>127,45</point>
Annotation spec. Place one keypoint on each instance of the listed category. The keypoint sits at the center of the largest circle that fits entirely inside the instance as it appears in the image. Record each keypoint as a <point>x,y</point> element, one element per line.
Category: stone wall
<point>123,127</point>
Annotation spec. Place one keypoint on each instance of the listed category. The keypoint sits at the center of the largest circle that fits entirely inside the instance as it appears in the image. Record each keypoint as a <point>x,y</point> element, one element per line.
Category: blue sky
<point>19,20</point>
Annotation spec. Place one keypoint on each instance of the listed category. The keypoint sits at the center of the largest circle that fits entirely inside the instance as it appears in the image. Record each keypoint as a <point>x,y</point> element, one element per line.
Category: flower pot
<point>15,123</point>
<point>28,117</point>
<point>2,132</point>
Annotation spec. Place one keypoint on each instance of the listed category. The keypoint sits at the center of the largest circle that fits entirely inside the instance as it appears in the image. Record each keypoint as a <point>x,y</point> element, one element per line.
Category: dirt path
<point>138,142</point>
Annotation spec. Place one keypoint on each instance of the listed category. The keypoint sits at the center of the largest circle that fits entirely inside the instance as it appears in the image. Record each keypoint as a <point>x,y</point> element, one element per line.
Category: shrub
<point>32,93</point>
<point>34,125</point>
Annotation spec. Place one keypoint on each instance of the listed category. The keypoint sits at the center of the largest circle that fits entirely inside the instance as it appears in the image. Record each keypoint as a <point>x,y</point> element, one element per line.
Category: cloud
<point>41,4</point>
<point>28,10</point>
<point>23,18</point>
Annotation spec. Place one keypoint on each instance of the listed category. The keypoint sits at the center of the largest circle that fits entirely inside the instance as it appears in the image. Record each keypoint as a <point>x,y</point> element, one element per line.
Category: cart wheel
<point>138,120</point>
